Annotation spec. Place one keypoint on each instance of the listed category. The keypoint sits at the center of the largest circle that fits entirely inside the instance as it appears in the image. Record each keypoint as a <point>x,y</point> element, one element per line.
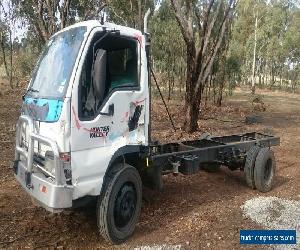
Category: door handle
<point>111,110</point>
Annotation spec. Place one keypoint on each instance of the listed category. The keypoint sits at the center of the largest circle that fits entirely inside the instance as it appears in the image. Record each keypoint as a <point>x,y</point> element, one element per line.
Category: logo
<point>268,237</point>
<point>99,132</point>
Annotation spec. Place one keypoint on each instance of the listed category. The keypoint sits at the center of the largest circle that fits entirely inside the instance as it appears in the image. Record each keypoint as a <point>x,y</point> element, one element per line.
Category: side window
<point>110,65</point>
<point>122,68</point>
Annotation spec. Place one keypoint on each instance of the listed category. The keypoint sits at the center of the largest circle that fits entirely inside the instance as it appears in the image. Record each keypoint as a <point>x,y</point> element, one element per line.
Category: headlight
<point>49,165</point>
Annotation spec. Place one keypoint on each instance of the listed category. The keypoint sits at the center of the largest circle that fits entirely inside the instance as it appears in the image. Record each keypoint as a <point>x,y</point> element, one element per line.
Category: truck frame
<point>85,130</point>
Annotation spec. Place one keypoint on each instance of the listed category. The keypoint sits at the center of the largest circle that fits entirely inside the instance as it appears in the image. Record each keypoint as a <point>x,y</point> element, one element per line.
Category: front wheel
<point>119,207</point>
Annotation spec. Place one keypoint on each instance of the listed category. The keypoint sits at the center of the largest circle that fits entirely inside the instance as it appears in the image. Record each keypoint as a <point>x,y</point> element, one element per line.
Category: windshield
<point>56,63</point>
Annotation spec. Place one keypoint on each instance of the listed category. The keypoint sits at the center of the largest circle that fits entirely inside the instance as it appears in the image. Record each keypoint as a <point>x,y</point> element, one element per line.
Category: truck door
<point>108,108</point>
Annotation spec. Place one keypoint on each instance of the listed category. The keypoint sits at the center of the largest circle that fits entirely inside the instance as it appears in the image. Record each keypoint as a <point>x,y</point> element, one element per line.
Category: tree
<point>129,12</point>
<point>45,16</point>
<point>203,25</point>
<point>264,42</point>
<point>168,56</point>
<point>6,23</point>
<point>254,54</point>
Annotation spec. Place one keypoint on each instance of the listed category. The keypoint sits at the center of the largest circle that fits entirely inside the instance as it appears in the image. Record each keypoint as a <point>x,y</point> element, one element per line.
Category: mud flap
<point>152,178</point>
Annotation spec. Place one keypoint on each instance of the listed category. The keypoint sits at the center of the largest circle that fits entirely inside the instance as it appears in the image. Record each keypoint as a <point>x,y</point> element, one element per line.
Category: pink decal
<point>139,38</point>
<point>125,117</point>
<point>77,123</point>
<point>136,103</point>
<point>76,119</point>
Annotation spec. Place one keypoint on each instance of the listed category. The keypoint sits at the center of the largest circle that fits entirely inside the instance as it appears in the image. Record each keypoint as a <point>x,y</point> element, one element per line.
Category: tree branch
<point>51,9</point>
<point>208,65</point>
<point>206,34</point>
<point>183,22</point>
<point>41,23</point>
<point>64,12</point>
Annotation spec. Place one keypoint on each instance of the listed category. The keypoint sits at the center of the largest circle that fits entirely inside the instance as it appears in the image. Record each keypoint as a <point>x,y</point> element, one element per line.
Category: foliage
<point>168,56</point>
<point>277,42</point>
<point>129,12</point>
<point>199,47</point>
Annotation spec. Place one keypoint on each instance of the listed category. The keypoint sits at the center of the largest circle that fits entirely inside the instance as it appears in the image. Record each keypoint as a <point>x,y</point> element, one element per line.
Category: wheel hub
<point>125,205</point>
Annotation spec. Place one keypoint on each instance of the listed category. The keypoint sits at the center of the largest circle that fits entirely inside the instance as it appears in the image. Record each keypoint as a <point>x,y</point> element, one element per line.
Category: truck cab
<point>84,113</point>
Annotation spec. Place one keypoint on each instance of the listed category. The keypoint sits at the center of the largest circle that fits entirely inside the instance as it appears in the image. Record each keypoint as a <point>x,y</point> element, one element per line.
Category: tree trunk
<point>11,60</point>
<point>254,55</point>
<point>272,76</point>
<point>169,86</point>
<point>221,88</point>
<point>200,58</point>
<point>4,55</point>
<point>192,114</point>
<point>140,21</point>
<point>191,107</point>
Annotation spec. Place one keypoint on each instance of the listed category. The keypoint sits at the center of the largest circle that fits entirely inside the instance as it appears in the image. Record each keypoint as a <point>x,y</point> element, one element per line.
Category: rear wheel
<point>119,208</point>
<point>264,171</point>
<point>250,164</point>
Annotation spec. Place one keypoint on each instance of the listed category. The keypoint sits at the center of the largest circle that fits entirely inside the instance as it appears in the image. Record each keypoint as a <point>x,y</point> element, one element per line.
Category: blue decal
<point>113,136</point>
<point>44,110</point>
<point>268,237</point>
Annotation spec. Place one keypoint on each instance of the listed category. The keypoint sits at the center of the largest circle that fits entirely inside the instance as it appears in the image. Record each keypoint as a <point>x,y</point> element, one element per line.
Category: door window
<point>110,66</point>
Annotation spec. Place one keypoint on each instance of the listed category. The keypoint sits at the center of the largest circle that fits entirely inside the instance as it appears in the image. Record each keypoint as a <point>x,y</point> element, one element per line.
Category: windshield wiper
<point>33,90</point>
<point>30,90</point>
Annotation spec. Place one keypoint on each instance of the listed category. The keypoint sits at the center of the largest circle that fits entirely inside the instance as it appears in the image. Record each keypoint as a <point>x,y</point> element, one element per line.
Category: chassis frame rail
<point>229,150</point>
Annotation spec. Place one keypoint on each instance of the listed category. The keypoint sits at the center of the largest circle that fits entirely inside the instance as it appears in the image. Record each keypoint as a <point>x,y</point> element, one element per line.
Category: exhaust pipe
<point>146,21</point>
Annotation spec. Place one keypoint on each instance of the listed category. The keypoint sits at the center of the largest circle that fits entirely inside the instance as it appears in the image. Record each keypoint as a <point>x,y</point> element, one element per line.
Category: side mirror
<point>111,110</point>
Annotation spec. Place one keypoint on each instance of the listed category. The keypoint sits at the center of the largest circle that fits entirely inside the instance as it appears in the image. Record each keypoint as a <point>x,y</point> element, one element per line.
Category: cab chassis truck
<point>84,130</point>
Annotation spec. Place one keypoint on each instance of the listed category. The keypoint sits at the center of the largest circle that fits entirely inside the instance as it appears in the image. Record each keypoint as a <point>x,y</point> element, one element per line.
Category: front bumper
<point>52,193</point>
<point>49,195</point>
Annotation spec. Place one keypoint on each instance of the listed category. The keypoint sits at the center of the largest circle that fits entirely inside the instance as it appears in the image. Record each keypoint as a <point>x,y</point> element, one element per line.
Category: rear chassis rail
<point>228,150</point>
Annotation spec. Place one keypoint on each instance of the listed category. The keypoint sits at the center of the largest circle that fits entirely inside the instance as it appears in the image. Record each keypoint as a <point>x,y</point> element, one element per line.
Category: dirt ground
<point>193,212</point>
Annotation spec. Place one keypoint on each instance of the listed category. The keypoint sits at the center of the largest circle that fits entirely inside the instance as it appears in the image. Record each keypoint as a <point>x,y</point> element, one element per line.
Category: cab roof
<point>91,24</point>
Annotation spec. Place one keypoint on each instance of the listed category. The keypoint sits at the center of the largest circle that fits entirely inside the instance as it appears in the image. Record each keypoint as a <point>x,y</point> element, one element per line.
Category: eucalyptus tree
<point>7,21</point>
<point>265,41</point>
<point>48,16</point>
<point>129,12</point>
<point>168,47</point>
<point>203,25</point>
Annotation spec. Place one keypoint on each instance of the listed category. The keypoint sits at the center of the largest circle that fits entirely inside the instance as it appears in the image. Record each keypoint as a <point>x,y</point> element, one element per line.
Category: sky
<point>18,30</point>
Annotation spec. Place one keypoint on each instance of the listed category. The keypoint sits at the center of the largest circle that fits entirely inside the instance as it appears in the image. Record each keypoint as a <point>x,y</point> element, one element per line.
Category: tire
<point>118,209</point>
<point>250,164</point>
<point>211,167</point>
<point>264,171</point>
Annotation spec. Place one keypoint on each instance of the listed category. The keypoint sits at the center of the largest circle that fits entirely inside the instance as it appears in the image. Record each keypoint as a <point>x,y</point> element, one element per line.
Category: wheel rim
<point>268,170</point>
<point>125,205</point>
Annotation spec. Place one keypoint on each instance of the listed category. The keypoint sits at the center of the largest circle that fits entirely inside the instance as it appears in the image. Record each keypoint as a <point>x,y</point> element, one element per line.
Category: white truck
<point>84,130</point>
